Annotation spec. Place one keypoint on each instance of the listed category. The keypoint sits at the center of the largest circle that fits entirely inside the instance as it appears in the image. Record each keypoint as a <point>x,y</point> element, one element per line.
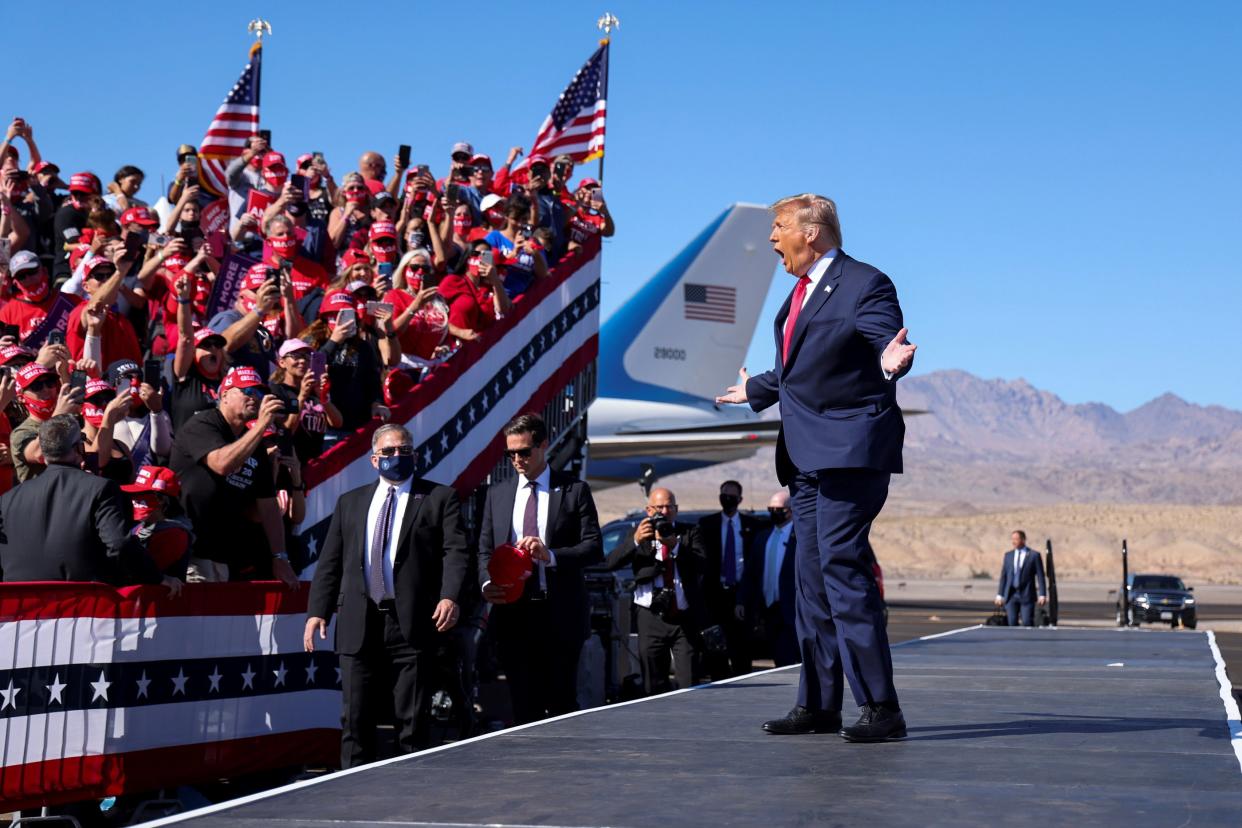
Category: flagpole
<point>606,24</point>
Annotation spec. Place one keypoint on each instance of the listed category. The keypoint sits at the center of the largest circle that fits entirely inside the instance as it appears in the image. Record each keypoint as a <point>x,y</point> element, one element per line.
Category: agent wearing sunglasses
<point>393,562</point>
<point>552,516</point>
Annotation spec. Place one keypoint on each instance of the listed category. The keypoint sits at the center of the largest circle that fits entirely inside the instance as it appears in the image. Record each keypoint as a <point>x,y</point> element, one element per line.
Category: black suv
<point>1158,599</point>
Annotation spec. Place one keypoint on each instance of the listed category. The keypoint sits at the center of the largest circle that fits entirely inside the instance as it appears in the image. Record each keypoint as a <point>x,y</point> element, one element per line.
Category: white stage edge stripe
<point>306,783</point>
<point>1232,717</point>
<point>75,733</point>
<point>54,641</point>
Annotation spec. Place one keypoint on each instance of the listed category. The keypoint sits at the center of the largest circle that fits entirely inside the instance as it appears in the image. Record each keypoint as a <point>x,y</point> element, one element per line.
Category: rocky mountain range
<point>988,441</point>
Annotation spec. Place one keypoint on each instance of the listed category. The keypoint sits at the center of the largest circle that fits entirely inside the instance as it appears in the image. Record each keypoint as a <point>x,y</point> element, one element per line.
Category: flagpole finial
<point>606,24</point>
<point>259,27</point>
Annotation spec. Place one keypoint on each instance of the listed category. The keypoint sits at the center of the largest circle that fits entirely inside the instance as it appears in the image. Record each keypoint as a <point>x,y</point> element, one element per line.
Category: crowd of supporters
<point>208,415</point>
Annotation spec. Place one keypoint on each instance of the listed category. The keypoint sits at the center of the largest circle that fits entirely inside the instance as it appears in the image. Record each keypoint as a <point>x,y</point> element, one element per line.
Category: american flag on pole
<point>576,125</point>
<point>105,691</point>
<point>710,303</point>
<point>236,120</point>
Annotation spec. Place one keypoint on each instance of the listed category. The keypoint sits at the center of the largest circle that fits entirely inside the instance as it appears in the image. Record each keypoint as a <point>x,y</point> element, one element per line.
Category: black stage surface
<point>1007,727</point>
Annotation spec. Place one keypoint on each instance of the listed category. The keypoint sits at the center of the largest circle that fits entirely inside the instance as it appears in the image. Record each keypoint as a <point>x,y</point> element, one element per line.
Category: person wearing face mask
<point>43,395</point>
<point>392,565</point>
<point>727,535</point>
<point>227,485</point>
<point>245,173</point>
<point>164,532</point>
<point>590,216</point>
<point>769,590</point>
<point>350,218</point>
<point>32,293</point>
<point>70,219</point>
<point>305,274</point>
<point>69,525</point>
<point>310,413</point>
<point>476,298</point>
<point>102,410</point>
<point>382,247</point>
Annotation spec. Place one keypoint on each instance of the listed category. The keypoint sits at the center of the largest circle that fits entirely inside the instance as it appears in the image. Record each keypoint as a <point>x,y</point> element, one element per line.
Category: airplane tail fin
<point>684,334</point>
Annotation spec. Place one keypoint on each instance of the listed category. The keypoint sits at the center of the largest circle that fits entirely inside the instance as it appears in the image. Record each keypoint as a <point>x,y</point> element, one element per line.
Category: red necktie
<point>795,307</point>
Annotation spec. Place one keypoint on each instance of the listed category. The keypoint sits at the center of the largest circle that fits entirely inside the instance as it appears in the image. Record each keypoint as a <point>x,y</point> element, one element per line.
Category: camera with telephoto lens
<point>663,525</point>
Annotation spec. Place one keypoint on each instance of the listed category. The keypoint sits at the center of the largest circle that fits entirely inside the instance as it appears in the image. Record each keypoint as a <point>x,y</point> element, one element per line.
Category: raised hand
<point>735,394</point>
<point>898,354</point>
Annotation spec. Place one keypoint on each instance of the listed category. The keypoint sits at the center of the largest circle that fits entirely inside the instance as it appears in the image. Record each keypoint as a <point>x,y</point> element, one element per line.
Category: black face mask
<point>398,468</point>
<point>779,515</point>
<point>729,503</point>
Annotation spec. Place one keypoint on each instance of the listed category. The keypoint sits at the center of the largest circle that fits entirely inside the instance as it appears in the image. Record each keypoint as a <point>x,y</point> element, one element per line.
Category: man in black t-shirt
<point>227,486</point>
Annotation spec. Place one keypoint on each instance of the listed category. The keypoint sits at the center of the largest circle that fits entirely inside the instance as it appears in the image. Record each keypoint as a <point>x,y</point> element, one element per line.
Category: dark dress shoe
<point>801,720</point>
<point>876,724</point>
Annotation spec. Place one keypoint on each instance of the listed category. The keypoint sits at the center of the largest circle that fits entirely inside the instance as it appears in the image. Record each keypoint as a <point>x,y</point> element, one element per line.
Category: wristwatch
<point>281,556</point>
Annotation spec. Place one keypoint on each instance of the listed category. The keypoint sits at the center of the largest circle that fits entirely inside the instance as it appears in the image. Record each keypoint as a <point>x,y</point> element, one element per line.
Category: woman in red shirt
<point>477,298</point>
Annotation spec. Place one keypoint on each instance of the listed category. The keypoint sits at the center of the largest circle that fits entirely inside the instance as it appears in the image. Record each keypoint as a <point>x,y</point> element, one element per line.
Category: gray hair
<point>390,428</point>
<point>813,211</point>
<point>279,218</point>
<point>59,437</point>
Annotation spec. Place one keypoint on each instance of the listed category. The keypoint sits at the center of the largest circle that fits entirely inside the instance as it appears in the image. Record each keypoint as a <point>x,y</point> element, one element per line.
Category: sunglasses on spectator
<point>403,451</point>
<point>254,392</point>
<point>26,275</point>
<point>522,452</point>
<point>42,385</point>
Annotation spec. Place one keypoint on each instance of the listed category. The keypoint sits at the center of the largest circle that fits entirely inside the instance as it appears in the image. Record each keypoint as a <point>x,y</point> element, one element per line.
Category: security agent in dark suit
<point>1021,573</point>
<point>840,344</point>
<point>668,561</point>
<point>392,565</point>
<point>728,538</point>
<point>68,525</point>
<point>769,586</point>
<point>552,516</point>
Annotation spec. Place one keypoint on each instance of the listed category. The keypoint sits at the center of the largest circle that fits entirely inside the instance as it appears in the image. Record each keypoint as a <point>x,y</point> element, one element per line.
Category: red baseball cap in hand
<point>510,567</point>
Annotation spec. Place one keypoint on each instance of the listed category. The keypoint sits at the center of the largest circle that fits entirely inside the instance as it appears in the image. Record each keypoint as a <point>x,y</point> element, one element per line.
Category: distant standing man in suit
<point>770,590</point>
<point>393,563</point>
<point>1021,573</point>
<point>727,537</point>
<point>668,561</point>
<point>552,516</point>
<point>840,345</point>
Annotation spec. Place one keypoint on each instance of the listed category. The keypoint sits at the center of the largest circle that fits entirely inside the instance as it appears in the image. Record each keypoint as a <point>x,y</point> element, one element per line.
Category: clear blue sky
<point>1053,186</point>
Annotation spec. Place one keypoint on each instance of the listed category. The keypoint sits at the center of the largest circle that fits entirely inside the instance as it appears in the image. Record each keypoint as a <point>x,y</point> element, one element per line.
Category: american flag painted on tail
<point>235,121</point>
<point>105,690</point>
<point>710,303</point>
<point>575,126</point>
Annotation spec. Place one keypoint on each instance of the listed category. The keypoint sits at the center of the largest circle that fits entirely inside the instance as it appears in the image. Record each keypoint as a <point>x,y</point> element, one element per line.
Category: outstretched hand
<point>735,394</point>
<point>898,354</point>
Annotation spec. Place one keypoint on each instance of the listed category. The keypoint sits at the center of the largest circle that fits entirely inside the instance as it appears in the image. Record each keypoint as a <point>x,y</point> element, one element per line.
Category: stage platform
<point>1007,727</point>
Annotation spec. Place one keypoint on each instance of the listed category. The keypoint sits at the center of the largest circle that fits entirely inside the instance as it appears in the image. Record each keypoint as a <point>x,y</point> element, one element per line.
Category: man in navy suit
<point>769,590</point>
<point>1022,571</point>
<point>840,346</point>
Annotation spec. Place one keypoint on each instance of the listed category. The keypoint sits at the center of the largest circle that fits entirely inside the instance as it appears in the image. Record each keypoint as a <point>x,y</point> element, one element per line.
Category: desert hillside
<point>995,455</point>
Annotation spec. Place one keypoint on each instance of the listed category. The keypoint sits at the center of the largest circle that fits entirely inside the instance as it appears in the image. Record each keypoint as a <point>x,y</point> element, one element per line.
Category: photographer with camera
<point>667,559</point>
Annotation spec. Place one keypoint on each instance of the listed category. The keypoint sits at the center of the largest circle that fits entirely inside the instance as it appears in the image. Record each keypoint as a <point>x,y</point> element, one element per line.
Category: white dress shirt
<point>373,515</point>
<point>543,492</point>
<point>817,272</point>
<point>644,592</point>
<point>773,559</point>
<point>734,525</point>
